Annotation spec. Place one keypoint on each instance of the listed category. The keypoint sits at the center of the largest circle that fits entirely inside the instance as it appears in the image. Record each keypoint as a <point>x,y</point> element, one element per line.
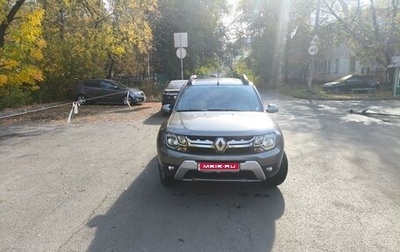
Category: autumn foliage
<point>48,45</point>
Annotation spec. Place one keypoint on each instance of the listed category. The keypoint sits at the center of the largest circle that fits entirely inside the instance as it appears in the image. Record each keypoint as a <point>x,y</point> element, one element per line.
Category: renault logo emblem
<point>220,144</point>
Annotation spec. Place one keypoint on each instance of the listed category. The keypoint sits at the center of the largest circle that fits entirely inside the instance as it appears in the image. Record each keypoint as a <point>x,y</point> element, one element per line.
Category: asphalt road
<point>92,185</point>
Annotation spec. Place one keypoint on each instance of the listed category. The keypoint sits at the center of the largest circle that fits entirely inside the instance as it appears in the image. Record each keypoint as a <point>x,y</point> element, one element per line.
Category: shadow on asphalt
<point>156,119</point>
<point>189,217</point>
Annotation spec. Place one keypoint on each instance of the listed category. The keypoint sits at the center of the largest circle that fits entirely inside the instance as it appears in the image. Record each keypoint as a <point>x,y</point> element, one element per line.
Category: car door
<point>110,91</point>
<point>92,89</point>
<point>351,83</point>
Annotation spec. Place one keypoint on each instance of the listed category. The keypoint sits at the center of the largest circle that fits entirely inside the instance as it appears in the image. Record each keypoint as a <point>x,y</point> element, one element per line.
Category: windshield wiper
<point>224,109</point>
<point>190,110</point>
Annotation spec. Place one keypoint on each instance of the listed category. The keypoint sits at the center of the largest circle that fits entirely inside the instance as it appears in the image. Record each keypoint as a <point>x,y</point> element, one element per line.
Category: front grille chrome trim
<point>209,144</point>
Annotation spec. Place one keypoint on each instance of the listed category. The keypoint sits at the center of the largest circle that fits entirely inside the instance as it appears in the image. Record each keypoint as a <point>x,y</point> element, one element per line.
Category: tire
<point>280,177</point>
<point>165,179</point>
<point>81,99</point>
<point>125,100</point>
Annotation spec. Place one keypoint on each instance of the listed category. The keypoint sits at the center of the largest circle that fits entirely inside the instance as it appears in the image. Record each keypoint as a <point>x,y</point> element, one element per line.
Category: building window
<point>336,65</point>
<point>352,64</point>
<point>329,66</point>
<point>365,70</point>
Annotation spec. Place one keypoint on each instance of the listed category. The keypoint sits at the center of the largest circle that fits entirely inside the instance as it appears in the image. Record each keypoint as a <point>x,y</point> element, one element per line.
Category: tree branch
<point>10,17</point>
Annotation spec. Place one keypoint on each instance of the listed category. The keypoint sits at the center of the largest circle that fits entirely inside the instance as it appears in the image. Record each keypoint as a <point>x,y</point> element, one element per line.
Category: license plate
<point>219,167</point>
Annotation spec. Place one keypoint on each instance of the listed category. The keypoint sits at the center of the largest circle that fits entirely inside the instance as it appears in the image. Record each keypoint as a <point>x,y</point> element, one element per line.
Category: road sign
<point>181,53</point>
<point>313,50</point>
<point>315,40</point>
<point>180,39</point>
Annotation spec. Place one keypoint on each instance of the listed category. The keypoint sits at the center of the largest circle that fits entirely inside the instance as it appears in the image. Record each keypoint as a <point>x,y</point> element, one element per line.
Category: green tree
<point>202,21</point>
<point>93,39</point>
<point>21,47</point>
<point>370,27</point>
<point>266,25</point>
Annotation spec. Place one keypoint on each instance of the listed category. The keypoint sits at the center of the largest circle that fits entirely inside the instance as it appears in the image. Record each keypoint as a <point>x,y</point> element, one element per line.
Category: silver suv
<point>219,130</point>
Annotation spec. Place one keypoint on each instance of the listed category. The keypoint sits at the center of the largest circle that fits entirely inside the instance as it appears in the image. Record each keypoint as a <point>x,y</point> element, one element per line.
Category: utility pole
<point>313,49</point>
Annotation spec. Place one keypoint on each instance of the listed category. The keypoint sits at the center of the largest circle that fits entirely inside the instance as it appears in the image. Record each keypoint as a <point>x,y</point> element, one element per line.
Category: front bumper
<point>250,171</point>
<point>138,99</point>
<point>253,168</point>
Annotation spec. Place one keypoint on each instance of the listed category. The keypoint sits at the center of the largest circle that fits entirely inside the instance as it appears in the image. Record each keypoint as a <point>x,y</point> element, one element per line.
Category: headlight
<point>176,142</point>
<point>264,142</point>
<point>137,93</point>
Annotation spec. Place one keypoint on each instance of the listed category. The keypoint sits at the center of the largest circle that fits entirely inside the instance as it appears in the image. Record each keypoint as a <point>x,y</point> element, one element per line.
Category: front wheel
<point>127,100</point>
<point>282,173</point>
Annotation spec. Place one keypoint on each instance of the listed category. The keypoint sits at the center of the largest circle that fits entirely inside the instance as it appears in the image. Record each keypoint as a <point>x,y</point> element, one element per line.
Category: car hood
<point>134,90</point>
<point>170,90</point>
<point>329,84</point>
<point>223,123</point>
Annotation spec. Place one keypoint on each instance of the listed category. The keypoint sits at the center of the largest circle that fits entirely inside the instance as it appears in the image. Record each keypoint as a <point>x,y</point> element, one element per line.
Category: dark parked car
<point>105,91</point>
<point>171,91</point>
<point>219,130</point>
<point>352,83</point>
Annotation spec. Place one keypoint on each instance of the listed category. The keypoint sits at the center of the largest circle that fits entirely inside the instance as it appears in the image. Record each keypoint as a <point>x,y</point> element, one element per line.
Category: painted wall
<point>339,63</point>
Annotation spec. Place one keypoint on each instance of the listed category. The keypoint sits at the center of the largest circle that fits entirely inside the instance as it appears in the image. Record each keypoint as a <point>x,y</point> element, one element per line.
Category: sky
<point>233,11</point>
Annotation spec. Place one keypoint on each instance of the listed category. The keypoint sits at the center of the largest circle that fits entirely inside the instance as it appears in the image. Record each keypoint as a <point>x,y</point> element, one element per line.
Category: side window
<point>92,84</point>
<point>106,85</point>
<point>353,80</point>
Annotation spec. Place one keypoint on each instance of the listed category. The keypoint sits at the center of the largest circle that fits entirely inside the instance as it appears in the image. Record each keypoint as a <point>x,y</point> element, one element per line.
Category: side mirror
<point>166,109</point>
<point>272,108</point>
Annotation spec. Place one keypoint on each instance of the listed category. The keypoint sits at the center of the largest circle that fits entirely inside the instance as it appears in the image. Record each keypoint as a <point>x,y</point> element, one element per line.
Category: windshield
<point>219,98</point>
<point>176,84</point>
<point>344,78</point>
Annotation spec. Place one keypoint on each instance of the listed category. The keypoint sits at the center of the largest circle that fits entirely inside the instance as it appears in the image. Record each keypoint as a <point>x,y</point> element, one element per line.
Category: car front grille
<point>229,145</point>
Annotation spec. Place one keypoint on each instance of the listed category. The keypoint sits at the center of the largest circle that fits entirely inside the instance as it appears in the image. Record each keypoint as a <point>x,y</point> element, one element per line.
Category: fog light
<point>269,169</point>
<point>171,168</point>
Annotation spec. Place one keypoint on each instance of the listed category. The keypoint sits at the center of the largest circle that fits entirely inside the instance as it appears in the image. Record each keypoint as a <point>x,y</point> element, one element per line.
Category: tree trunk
<point>10,17</point>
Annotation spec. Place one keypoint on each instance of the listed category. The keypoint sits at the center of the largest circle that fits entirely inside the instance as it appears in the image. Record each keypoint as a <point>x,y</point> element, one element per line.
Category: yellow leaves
<point>31,29</point>
<point>37,54</point>
<point>26,75</point>
<point>118,50</point>
<point>41,43</point>
<point>22,53</point>
<point>9,64</point>
<point>31,74</point>
<point>3,80</point>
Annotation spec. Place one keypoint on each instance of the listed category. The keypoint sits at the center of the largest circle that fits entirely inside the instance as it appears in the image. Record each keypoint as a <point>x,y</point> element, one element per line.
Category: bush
<point>12,97</point>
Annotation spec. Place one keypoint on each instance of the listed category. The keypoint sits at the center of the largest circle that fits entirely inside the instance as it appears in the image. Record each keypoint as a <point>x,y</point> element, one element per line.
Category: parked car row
<point>171,92</point>
<point>352,83</point>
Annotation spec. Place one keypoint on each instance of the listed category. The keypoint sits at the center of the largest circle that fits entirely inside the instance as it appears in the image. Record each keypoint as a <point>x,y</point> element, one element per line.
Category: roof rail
<point>191,79</point>
<point>245,80</point>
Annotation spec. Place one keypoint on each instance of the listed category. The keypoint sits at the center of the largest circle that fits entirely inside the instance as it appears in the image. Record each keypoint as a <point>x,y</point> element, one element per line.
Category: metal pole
<point>181,66</point>
<point>148,65</point>
<point>180,47</point>
<point>312,65</point>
